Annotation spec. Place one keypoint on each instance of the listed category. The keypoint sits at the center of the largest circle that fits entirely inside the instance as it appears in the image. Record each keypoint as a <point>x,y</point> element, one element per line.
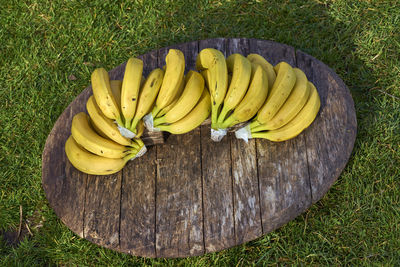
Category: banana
<point>252,101</point>
<point>163,111</point>
<point>97,129</point>
<point>147,96</point>
<point>140,129</point>
<point>93,164</point>
<point>192,120</point>
<point>269,69</point>
<point>285,80</point>
<point>85,136</point>
<point>174,73</point>
<point>300,122</point>
<point>214,61</point>
<point>104,124</point>
<point>130,89</point>
<point>294,103</point>
<point>240,67</point>
<point>103,94</point>
<point>116,91</point>
<point>187,101</point>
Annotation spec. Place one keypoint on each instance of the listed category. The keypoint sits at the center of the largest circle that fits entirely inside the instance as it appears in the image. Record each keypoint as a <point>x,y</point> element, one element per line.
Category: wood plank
<point>179,227</point>
<point>219,223</point>
<point>282,167</point>
<point>330,138</point>
<point>246,197</point>
<point>137,227</point>
<point>66,195</point>
<point>284,181</point>
<point>102,209</point>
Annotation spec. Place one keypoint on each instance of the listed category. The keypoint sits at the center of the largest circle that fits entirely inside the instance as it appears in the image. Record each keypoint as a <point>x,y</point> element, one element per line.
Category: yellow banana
<point>269,69</point>
<point>163,111</point>
<point>192,120</point>
<point>97,129</point>
<point>140,129</point>
<point>116,91</point>
<point>104,124</point>
<point>103,94</point>
<point>285,80</point>
<point>240,67</point>
<point>214,61</point>
<point>174,73</point>
<point>130,89</point>
<point>294,103</point>
<point>90,163</point>
<point>252,101</point>
<point>187,101</point>
<point>85,136</point>
<point>301,121</point>
<point>147,96</point>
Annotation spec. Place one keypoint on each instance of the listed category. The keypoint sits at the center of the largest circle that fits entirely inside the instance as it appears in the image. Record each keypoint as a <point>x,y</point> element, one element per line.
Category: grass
<point>42,43</point>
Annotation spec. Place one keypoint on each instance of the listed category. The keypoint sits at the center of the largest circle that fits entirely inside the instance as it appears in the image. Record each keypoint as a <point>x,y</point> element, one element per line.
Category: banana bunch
<point>296,125</point>
<point>190,109</point>
<point>90,152</point>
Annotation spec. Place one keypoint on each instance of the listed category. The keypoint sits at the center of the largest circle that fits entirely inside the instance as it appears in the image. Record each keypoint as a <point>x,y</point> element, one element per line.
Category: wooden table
<point>192,196</point>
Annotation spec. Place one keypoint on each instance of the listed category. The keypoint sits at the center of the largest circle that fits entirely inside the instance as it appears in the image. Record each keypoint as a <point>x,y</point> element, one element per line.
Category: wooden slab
<point>192,196</point>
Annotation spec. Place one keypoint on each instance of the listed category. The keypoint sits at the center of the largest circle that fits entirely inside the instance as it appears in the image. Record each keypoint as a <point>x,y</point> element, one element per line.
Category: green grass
<point>42,43</point>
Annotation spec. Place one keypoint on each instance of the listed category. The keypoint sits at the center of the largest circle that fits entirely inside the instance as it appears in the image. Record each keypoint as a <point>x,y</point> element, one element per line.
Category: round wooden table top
<point>192,196</point>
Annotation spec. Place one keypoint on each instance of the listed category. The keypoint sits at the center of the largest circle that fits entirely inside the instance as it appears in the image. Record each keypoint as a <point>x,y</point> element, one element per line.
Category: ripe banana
<point>214,61</point>
<point>192,120</point>
<point>240,67</point>
<point>269,69</point>
<point>104,124</point>
<point>187,101</point>
<point>252,101</point>
<point>285,80</point>
<point>116,91</point>
<point>140,129</point>
<point>300,122</point>
<point>174,73</point>
<point>130,89</point>
<point>103,94</point>
<point>294,103</point>
<point>147,96</point>
<point>164,110</point>
<point>85,136</point>
<point>92,164</point>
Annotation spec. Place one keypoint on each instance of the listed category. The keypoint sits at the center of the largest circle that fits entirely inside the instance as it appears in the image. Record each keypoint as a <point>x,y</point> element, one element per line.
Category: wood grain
<point>65,195</point>
<point>246,197</point>
<point>330,138</point>
<point>179,216</point>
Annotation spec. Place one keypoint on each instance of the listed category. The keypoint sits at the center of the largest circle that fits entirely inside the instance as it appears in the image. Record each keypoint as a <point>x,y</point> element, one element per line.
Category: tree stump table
<point>192,196</point>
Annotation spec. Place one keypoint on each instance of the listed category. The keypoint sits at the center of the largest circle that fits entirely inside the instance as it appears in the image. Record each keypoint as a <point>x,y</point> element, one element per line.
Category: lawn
<point>48,50</point>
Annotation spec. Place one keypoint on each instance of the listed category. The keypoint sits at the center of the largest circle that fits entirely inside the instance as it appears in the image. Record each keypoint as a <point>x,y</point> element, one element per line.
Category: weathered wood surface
<point>191,196</point>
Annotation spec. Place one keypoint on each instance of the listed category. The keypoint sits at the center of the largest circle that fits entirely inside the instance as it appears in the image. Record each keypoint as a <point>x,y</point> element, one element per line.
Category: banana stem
<point>229,122</point>
<point>263,135</point>
<point>119,121</point>
<point>155,111</point>
<point>222,116</point>
<point>128,124</point>
<point>132,127</point>
<point>214,116</point>
<point>130,156</point>
<point>254,124</point>
<point>159,120</point>
<point>139,141</point>
<point>260,128</point>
